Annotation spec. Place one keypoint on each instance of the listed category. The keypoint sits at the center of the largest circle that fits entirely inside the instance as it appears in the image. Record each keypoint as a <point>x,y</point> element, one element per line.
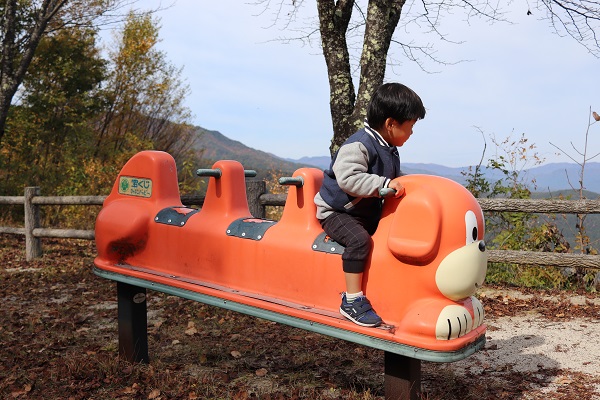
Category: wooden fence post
<point>33,245</point>
<point>254,189</point>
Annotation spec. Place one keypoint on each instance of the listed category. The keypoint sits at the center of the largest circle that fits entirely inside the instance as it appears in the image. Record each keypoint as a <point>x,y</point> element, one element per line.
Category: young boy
<point>349,204</point>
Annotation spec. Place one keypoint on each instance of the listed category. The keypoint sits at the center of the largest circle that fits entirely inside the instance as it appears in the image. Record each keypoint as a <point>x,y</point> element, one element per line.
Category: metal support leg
<point>402,377</point>
<point>133,324</point>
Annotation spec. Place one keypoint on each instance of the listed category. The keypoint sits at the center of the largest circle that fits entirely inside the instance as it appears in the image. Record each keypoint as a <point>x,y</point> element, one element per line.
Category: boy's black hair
<point>394,100</point>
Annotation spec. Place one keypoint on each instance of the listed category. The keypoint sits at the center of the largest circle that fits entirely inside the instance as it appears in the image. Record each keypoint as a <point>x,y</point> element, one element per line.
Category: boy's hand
<point>397,186</point>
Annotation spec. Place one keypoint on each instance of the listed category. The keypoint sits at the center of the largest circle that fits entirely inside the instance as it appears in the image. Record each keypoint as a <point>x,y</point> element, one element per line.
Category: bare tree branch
<point>357,44</point>
<point>578,19</point>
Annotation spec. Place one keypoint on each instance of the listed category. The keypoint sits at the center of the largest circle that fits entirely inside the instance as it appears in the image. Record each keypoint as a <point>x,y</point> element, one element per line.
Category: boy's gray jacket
<point>364,164</point>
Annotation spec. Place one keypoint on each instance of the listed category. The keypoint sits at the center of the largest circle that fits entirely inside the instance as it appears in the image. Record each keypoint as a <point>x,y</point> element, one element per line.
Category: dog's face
<point>439,224</point>
<point>462,271</point>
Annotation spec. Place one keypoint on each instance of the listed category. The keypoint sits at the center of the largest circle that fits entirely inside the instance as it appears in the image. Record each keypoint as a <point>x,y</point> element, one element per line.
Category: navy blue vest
<point>383,161</point>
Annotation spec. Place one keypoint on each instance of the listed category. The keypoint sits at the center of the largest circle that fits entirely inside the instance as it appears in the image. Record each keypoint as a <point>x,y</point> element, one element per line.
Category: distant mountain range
<point>554,177</point>
<point>216,146</point>
<point>549,178</point>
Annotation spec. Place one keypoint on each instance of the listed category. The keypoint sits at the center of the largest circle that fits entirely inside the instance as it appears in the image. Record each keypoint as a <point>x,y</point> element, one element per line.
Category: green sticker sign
<point>140,187</point>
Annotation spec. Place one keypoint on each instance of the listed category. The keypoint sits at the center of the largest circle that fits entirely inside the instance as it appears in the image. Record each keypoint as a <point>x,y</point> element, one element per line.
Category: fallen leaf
<point>154,394</point>
<point>129,390</point>
<point>191,329</point>
<point>261,372</point>
<point>158,323</point>
<point>563,380</point>
<point>132,390</point>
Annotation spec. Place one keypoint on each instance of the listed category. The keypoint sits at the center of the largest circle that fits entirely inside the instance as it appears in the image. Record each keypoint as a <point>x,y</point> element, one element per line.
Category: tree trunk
<point>382,19</point>
<point>348,110</point>
<point>333,21</point>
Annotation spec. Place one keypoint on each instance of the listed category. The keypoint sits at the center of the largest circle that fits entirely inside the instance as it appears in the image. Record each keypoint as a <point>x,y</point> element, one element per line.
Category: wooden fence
<point>259,199</point>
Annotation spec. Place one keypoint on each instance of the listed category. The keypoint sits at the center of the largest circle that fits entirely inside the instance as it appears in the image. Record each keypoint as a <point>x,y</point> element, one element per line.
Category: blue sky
<point>272,96</point>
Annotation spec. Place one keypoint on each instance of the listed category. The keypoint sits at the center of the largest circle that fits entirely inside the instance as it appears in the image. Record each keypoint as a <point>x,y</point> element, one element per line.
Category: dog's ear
<point>414,234</point>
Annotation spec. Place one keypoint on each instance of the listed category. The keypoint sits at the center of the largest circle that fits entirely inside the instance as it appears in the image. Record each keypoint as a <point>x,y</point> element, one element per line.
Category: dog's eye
<point>472,232</point>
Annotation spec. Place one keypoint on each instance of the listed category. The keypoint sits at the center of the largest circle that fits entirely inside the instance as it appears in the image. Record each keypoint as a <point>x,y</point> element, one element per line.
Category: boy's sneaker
<point>360,312</point>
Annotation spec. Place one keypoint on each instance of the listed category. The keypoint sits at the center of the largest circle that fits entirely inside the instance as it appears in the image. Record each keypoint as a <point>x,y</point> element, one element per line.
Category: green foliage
<point>527,276</point>
<point>52,125</point>
<point>582,239</point>
<point>188,180</point>
<point>273,186</point>
<point>476,183</point>
<point>81,116</point>
<point>516,230</point>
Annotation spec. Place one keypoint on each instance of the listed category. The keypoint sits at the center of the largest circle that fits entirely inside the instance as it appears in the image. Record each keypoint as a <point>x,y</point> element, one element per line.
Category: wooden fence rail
<point>259,199</point>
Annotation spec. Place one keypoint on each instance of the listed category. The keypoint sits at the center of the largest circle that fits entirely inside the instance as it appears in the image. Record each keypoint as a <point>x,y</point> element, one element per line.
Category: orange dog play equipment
<point>428,256</point>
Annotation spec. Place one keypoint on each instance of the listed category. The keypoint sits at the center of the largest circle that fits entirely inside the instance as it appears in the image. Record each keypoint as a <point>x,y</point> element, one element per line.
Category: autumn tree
<point>23,24</point>
<point>146,94</point>
<point>78,116</point>
<point>51,127</point>
<point>342,22</point>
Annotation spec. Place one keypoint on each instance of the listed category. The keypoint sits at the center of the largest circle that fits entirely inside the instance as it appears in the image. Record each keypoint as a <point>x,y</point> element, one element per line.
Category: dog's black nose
<point>482,246</point>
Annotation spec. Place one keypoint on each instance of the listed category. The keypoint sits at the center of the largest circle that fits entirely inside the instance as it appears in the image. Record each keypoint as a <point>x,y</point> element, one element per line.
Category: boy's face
<point>396,133</point>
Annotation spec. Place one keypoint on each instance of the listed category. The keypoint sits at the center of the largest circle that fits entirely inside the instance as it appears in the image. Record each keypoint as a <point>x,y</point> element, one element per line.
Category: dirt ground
<point>58,340</point>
